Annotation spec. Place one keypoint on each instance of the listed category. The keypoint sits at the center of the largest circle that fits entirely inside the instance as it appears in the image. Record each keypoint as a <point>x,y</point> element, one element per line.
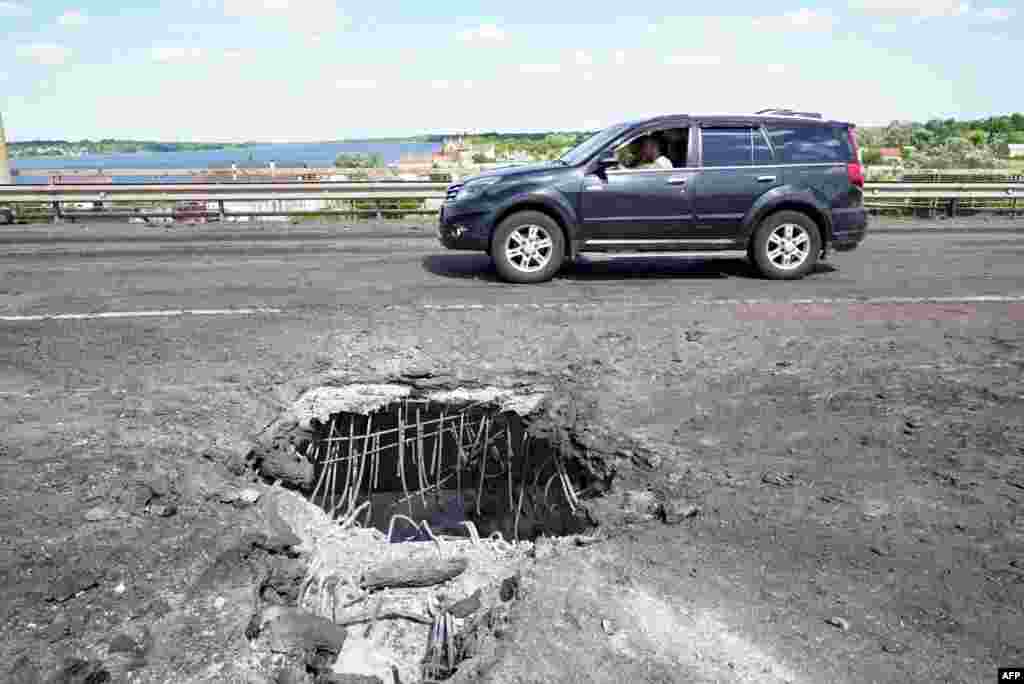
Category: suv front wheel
<point>528,247</point>
<point>786,246</point>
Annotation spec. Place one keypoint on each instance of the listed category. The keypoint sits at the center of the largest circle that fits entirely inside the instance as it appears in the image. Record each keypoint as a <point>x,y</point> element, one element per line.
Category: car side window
<point>810,144</point>
<point>672,144</point>
<point>734,147</point>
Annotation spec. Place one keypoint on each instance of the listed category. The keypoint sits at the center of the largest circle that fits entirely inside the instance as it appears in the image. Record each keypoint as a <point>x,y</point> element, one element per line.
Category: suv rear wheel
<point>528,247</point>
<point>786,246</point>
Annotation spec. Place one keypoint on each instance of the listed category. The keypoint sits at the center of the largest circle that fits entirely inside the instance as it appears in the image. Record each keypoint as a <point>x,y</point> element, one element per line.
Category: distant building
<point>459,151</point>
<point>416,158</point>
<point>452,146</point>
<point>519,156</point>
<point>890,153</point>
<point>1016,150</point>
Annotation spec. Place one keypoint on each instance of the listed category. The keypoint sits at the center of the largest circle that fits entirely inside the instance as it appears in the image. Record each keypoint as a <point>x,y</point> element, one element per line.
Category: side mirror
<point>607,160</point>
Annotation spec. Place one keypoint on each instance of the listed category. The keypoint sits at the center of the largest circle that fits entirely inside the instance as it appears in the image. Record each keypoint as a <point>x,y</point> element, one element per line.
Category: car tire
<point>6,217</point>
<point>786,246</point>
<point>528,247</point>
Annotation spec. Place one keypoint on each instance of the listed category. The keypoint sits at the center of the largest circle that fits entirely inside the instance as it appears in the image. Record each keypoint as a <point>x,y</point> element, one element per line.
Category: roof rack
<point>790,112</point>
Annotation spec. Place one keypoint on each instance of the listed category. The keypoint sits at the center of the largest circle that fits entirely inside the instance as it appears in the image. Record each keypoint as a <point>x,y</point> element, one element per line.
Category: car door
<point>737,167</point>
<point>634,206</point>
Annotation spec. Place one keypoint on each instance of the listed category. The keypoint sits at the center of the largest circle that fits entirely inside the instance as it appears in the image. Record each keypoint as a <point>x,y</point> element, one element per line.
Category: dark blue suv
<point>784,187</point>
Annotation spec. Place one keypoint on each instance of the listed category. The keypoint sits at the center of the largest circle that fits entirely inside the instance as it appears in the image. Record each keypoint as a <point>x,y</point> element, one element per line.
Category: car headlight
<point>475,188</point>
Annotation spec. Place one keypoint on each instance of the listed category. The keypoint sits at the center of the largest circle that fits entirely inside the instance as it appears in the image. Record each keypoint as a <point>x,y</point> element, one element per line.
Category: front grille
<point>453,190</point>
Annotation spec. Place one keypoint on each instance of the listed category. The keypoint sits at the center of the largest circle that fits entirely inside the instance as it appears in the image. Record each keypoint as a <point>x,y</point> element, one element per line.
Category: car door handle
<point>766,179</point>
<point>677,180</point>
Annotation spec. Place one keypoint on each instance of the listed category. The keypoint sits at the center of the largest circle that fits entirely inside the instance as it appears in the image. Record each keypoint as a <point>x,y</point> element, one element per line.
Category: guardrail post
<point>954,207</point>
<point>220,209</point>
<point>376,203</point>
<point>57,216</point>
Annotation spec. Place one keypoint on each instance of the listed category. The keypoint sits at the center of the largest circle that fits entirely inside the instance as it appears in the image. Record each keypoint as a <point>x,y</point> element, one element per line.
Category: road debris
<point>413,572</point>
<point>838,622</point>
<point>465,607</point>
<point>778,479</point>
<point>675,512</point>
<point>97,514</point>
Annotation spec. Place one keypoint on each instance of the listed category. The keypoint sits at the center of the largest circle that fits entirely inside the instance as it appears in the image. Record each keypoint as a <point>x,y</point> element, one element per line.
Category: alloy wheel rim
<point>529,248</point>
<point>789,245</point>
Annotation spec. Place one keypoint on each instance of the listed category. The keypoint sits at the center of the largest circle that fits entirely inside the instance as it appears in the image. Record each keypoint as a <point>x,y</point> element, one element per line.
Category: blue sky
<point>298,70</point>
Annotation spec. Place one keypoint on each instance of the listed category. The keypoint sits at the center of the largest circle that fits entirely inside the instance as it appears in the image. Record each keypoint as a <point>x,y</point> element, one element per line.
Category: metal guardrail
<point>948,190</point>
<point>381,198</point>
<point>122,200</point>
<point>964,176</point>
<point>952,199</point>
<point>212,192</point>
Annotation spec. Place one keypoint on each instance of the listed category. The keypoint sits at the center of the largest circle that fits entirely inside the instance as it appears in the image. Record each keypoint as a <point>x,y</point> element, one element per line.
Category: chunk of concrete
<point>298,633</point>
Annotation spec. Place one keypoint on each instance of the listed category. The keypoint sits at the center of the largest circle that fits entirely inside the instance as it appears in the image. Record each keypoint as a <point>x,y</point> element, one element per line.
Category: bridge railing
<point>226,201</point>
<point>952,199</point>
<point>223,200</point>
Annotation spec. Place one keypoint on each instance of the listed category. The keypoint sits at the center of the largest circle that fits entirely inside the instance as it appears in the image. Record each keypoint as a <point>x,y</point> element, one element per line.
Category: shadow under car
<point>475,266</point>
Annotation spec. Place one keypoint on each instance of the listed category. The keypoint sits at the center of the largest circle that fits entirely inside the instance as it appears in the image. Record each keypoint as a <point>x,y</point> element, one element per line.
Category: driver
<point>651,156</point>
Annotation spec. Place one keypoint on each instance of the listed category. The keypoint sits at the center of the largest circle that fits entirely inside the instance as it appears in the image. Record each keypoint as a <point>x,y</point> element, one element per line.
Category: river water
<point>290,155</point>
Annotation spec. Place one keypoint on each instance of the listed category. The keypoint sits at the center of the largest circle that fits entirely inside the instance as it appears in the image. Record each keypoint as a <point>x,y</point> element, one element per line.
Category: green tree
<point>977,137</point>
<point>359,161</point>
<point>872,156</point>
<point>922,136</point>
<point>897,134</point>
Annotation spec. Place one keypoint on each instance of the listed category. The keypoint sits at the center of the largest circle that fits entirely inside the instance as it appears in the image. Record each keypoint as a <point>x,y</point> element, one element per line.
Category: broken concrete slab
<point>295,632</point>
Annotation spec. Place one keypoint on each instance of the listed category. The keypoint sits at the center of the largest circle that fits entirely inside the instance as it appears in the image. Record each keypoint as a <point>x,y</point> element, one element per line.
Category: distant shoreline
<point>71,151</point>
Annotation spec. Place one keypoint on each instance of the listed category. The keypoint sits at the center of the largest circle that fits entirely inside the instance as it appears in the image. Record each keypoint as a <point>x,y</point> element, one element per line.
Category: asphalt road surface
<point>75,269</point>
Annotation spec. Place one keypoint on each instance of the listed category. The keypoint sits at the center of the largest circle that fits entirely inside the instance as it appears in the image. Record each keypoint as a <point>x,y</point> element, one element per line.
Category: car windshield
<point>592,144</point>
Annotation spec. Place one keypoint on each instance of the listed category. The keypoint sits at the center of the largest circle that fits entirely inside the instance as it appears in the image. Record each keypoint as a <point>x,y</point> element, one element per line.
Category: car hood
<point>511,171</point>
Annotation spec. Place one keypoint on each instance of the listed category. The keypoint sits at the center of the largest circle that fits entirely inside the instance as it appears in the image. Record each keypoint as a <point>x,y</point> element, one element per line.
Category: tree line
<point>946,143</point>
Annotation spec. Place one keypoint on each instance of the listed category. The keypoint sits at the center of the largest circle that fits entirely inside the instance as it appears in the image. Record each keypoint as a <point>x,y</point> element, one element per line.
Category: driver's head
<point>650,149</point>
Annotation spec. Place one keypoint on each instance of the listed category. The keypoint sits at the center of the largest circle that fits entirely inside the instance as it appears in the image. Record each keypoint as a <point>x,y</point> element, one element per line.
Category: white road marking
<point>171,313</point>
<point>161,313</point>
<point>967,299</point>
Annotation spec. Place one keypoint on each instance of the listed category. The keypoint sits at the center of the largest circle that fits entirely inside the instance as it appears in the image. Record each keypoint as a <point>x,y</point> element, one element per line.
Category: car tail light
<point>856,174</point>
<point>854,170</point>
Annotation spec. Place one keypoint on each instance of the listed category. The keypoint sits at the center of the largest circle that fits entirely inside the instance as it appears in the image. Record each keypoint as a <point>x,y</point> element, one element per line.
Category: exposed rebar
<point>447,449</point>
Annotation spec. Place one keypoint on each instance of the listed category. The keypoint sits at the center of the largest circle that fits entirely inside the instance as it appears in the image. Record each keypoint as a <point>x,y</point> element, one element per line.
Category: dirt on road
<point>845,481</point>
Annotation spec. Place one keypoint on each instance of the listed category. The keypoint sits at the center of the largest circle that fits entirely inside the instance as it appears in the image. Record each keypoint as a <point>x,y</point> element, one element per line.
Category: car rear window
<point>810,144</point>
